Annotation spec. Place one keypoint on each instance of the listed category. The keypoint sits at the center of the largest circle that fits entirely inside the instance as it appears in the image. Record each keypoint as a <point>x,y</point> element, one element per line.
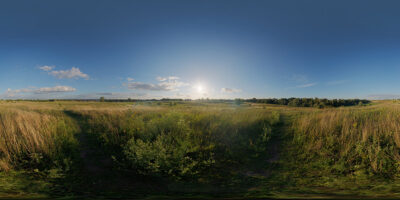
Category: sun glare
<point>199,88</point>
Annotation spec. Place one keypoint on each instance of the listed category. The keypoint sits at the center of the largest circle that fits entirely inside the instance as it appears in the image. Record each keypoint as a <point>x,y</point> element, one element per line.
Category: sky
<point>199,49</point>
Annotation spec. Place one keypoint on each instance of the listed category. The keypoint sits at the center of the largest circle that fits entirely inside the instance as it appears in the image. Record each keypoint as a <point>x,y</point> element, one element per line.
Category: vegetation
<point>311,102</point>
<point>36,140</point>
<point>182,143</point>
<point>198,149</point>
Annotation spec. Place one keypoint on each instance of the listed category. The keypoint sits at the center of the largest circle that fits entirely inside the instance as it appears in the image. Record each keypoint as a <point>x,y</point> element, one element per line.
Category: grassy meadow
<point>70,149</point>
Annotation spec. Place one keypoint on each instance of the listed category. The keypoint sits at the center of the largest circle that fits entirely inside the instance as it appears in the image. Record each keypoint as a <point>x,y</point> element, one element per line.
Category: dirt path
<point>275,146</point>
<point>94,166</point>
<point>95,162</point>
<point>265,167</point>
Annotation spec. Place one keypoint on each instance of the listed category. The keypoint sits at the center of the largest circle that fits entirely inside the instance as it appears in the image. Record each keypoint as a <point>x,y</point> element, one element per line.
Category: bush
<point>171,151</point>
<point>183,144</point>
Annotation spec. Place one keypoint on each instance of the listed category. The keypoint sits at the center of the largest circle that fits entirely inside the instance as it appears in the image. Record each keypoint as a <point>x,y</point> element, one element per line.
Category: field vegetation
<point>198,149</point>
<point>311,102</point>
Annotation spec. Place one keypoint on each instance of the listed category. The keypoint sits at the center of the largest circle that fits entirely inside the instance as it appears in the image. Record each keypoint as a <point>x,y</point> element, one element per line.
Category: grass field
<point>69,149</point>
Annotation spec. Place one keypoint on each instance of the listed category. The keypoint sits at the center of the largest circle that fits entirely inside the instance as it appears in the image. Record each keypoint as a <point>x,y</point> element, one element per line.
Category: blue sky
<point>199,49</point>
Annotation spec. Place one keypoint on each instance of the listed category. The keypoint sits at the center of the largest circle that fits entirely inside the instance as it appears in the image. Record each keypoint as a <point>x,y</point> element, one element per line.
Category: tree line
<point>310,102</point>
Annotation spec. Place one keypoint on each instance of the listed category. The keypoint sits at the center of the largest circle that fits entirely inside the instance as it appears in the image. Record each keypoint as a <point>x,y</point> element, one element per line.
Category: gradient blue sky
<point>166,48</point>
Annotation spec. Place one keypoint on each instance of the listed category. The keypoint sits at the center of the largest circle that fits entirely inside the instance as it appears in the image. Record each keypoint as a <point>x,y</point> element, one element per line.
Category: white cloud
<point>145,86</point>
<point>73,73</point>
<point>230,90</point>
<point>167,78</point>
<point>170,83</point>
<point>43,90</point>
<point>109,95</point>
<point>64,92</point>
<point>306,85</point>
<point>46,68</point>
<point>24,90</point>
<point>46,90</point>
<point>129,79</point>
<point>161,79</point>
<point>173,78</point>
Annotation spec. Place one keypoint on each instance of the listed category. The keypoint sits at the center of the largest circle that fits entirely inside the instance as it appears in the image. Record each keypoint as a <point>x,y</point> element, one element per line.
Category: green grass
<point>22,184</point>
<point>198,150</point>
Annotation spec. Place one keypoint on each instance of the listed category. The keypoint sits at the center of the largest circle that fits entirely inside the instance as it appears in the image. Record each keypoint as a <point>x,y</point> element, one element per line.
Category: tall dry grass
<point>31,139</point>
<point>350,141</point>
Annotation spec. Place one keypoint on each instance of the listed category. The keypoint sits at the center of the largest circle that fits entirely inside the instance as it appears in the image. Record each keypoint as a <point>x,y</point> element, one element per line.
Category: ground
<point>95,174</point>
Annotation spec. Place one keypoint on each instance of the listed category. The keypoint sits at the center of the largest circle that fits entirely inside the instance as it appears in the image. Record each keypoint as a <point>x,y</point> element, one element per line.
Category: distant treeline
<point>297,102</point>
<point>311,102</point>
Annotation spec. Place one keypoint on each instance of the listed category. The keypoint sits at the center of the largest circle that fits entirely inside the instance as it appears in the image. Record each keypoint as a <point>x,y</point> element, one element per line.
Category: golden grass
<point>23,132</point>
<point>358,136</point>
<point>29,131</point>
<point>30,127</point>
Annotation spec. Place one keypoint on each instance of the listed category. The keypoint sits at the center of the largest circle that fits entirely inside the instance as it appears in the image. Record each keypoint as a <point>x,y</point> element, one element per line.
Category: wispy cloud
<point>306,85</point>
<point>56,89</point>
<point>170,83</point>
<point>24,90</point>
<point>161,78</point>
<point>301,81</point>
<point>111,95</point>
<point>146,86</point>
<point>73,73</point>
<point>65,95</point>
<point>230,90</point>
<point>34,90</point>
<point>129,79</point>
<point>46,68</point>
<point>167,78</point>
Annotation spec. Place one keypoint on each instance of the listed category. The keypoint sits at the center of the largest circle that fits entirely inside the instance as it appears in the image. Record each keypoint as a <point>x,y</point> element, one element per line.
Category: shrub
<point>183,144</point>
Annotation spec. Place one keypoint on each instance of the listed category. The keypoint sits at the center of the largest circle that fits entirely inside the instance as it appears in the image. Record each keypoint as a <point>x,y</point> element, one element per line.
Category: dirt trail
<point>275,145</point>
<point>265,167</point>
<point>95,163</point>
<point>94,166</point>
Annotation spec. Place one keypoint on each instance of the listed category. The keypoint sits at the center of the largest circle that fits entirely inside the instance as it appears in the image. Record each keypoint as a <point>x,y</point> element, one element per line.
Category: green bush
<point>183,144</point>
<point>170,149</point>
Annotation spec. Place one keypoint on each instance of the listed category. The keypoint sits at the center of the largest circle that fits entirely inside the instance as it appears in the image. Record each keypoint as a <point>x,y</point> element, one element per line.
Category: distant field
<point>72,149</point>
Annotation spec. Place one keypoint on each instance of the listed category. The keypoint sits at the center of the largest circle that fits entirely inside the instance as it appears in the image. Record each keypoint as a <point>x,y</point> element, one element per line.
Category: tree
<point>238,101</point>
<point>101,99</point>
<point>294,102</point>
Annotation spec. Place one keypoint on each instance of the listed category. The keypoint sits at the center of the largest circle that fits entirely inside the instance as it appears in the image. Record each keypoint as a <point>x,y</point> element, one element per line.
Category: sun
<point>199,88</point>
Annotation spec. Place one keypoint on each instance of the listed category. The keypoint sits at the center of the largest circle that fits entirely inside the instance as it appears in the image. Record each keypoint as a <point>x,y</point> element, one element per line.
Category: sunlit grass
<point>216,147</point>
